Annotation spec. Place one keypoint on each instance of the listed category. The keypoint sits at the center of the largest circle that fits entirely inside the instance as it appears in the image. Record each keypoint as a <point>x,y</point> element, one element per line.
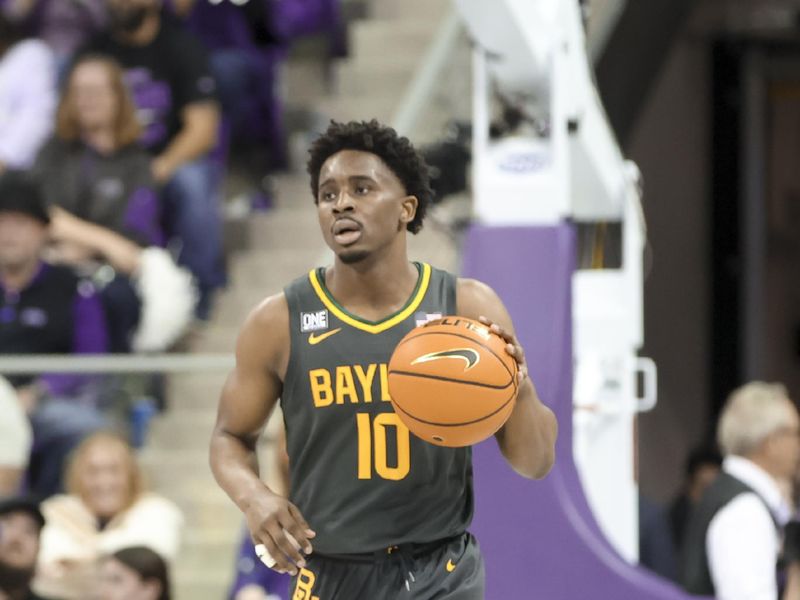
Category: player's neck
<point>379,285</point>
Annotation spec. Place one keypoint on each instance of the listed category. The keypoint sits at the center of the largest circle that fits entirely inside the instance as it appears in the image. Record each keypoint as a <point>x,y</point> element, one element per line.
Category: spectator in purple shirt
<point>46,309</point>
<point>175,94</point>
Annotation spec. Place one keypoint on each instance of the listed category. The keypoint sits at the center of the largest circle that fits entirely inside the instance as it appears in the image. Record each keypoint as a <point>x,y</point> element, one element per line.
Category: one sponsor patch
<point>313,321</point>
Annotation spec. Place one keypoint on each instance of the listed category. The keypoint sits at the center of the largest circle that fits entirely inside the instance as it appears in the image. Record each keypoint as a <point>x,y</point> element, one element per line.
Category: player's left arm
<point>527,440</point>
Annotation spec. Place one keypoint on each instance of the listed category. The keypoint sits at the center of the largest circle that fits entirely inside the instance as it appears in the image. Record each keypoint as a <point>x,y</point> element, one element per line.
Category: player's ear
<point>408,209</point>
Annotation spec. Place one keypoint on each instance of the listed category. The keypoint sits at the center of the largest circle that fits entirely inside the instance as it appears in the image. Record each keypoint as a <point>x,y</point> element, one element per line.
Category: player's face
<point>93,95</point>
<point>19,540</point>
<point>21,240</point>
<point>120,582</point>
<point>362,205</point>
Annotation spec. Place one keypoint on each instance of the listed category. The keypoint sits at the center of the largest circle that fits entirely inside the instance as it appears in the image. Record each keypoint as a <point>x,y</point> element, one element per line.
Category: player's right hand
<point>269,518</point>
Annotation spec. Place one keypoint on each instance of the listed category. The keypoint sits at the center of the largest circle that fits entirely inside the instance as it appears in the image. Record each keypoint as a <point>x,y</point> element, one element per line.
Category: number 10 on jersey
<point>372,446</point>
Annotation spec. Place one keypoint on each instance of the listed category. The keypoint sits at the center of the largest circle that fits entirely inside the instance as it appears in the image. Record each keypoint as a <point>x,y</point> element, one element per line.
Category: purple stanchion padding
<point>539,538</point>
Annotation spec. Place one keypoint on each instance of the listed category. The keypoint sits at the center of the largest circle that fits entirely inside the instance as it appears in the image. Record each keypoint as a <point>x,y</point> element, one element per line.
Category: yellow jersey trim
<point>389,322</point>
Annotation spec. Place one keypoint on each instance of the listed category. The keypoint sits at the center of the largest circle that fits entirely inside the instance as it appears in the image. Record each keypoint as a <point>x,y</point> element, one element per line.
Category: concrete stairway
<point>283,244</point>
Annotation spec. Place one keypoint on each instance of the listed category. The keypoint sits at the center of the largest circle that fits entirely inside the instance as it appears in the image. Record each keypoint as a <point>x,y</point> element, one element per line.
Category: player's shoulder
<point>270,312</point>
<point>265,331</point>
<point>474,290</point>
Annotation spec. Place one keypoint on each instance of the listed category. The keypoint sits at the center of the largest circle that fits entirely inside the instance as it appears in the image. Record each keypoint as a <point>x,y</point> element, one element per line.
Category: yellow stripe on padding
<point>381,326</point>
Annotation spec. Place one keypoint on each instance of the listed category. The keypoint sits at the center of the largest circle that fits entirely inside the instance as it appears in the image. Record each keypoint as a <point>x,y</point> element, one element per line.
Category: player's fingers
<point>496,329</point>
<point>300,529</point>
<point>517,352</point>
<point>296,535</point>
<point>264,556</point>
<point>298,516</point>
<point>281,562</point>
<point>286,547</point>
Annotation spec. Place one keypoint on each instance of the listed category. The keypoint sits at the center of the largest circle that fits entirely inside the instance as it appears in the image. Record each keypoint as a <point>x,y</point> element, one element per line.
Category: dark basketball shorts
<point>450,570</point>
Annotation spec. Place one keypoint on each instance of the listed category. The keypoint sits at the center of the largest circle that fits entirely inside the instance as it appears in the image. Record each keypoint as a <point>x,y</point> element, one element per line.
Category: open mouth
<point>346,231</point>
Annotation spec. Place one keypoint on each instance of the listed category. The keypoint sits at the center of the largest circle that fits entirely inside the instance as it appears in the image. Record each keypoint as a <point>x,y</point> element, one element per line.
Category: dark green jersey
<point>361,480</point>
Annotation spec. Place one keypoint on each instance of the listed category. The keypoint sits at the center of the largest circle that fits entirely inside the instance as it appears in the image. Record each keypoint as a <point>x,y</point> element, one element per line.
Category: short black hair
<point>395,151</point>
<point>20,193</point>
<point>148,564</point>
<point>706,454</point>
<point>25,504</point>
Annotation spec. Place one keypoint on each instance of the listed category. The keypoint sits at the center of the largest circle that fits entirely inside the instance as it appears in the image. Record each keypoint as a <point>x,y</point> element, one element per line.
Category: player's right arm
<point>248,397</point>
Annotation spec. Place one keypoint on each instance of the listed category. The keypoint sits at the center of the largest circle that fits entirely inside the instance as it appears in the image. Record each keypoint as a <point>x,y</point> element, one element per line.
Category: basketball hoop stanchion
<point>581,329</point>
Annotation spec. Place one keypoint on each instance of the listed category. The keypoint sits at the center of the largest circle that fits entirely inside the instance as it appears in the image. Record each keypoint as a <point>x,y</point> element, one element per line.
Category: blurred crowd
<point>119,120</point>
<point>733,529</point>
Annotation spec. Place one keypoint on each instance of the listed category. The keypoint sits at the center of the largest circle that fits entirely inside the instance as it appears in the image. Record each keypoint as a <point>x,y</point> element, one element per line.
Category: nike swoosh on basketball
<point>314,339</point>
<point>468,355</point>
<point>450,566</point>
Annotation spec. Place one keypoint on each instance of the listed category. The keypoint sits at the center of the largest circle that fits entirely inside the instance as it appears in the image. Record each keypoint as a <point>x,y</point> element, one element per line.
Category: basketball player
<point>376,512</point>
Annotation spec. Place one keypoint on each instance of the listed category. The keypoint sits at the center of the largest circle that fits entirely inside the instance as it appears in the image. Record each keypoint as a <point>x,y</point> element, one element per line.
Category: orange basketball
<point>452,382</point>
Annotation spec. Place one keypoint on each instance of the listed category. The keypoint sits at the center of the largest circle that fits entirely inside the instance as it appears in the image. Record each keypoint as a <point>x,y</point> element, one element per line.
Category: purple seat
<point>540,539</point>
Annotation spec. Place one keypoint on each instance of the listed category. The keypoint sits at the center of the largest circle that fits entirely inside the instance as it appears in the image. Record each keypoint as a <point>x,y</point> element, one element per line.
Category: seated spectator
<point>174,92</point>
<point>145,287</point>
<point>135,573</point>
<point>105,510</point>
<point>15,440</point>
<point>46,309</point>
<point>27,96</point>
<point>64,25</point>
<point>733,540</point>
<point>244,58</point>
<point>21,523</point>
<point>95,170</point>
<point>94,167</point>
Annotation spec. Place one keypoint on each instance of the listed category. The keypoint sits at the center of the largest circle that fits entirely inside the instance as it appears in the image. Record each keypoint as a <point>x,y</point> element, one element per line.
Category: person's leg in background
<point>235,74</point>
<point>193,222</point>
<point>122,306</point>
<point>246,85</point>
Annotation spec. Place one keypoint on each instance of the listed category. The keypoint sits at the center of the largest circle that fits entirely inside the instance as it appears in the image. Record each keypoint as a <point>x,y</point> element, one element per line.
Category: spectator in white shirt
<point>733,540</point>
<point>27,96</point>
<point>106,509</point>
